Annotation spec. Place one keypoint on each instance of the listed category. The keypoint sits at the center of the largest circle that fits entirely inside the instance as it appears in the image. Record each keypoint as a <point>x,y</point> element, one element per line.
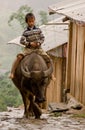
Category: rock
<point>73,103</point>
<point>58,107</point>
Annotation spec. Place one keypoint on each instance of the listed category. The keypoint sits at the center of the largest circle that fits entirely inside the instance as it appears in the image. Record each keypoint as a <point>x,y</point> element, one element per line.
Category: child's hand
<point>33,44</point>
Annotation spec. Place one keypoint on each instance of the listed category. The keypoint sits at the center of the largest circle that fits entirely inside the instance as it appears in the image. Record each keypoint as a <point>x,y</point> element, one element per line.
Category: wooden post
<point>73,59</point>
<point>58,81</point>
<point>83,90</point>
<point>79,64</point>
<point>68,64</point>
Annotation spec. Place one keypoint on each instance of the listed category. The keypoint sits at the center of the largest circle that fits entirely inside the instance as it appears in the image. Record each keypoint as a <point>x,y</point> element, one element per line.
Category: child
<point>32,38</point>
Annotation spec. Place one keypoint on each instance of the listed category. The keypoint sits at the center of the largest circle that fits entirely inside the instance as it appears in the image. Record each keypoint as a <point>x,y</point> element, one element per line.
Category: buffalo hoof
<point>26,116</point>
<point>38,114</point>
<point>37,117</point>
<point>37,111</point>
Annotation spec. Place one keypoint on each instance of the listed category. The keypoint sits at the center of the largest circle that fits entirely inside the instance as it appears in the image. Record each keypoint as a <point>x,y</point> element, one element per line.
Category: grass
<point>78,115</point>
<point>56,114</point>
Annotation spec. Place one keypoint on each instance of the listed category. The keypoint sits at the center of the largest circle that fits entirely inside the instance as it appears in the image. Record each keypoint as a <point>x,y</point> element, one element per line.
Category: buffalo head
<point>37,74</point>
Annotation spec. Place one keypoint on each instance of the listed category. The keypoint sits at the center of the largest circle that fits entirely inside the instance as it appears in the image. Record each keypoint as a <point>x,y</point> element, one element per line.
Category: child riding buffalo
<point>32,38</point>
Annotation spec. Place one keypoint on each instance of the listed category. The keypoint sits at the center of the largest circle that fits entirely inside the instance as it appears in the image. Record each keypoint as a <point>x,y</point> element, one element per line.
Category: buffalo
<point>32,77</point>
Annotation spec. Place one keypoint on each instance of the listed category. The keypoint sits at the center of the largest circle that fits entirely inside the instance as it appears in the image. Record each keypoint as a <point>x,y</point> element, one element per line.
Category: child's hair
<point>29,15</point>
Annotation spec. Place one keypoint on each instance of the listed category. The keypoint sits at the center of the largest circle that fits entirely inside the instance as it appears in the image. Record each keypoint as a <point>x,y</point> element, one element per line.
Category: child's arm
<point>42,38</point>
<point>23,41</point>
<point>35,35</point>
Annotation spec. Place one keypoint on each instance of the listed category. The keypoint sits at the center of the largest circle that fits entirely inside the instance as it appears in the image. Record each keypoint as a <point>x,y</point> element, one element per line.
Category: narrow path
<point>13,120</point>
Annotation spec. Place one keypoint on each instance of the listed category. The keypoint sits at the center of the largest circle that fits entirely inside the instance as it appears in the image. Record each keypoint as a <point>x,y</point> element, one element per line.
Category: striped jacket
<point>32,35</point>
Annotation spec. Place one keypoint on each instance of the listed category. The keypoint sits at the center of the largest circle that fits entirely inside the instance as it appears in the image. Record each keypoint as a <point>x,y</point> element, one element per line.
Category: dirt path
<point>13,120</point>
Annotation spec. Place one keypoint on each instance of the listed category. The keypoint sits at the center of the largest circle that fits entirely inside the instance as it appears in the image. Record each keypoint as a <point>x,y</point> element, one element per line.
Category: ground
<point>13,120</point>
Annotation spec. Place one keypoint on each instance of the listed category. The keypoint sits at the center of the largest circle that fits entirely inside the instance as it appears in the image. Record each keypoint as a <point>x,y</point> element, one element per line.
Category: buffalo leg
<point>37,111</point>
<point>25,100</point>
<point>33,107</point>
<point>26,104</point>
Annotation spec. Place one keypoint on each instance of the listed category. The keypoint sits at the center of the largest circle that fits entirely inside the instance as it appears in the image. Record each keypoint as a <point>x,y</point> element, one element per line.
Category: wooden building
<point>74,12</point>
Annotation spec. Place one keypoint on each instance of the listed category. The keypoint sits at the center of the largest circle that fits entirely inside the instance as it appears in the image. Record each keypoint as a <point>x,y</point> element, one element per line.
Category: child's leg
<point>53,77</point>
<point>15,64</point>
<point>45,56</point>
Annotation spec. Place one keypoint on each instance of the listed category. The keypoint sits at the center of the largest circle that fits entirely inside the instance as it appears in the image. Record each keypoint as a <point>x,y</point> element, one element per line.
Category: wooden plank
<point>54,90</point>
<point>63,79</point>
<point>83,90</point>
<point>57,83</point>
<point>79,64</point>
<point>73,57</point>
<point>81,41</point>
<point>50,88</point>
<point>77,89</point>
<point>57,23</point>
<point>49,93</point>
<point>68,63</point>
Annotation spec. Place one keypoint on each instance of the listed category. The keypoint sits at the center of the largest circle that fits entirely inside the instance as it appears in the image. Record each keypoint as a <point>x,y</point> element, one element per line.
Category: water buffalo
<point>32,77</point>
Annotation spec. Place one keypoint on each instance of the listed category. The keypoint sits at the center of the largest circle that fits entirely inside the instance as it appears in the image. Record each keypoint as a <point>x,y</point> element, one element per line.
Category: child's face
<point>31,22</point>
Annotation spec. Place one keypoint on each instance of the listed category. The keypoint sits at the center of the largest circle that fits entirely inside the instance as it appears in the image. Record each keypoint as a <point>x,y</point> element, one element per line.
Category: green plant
<point>79,115</point>
<point>19,15</point>
<point>9,94</point>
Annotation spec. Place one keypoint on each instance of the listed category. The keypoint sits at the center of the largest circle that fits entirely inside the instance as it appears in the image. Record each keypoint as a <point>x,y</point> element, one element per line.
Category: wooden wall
<point>54,90</point>
<point>75,69</point>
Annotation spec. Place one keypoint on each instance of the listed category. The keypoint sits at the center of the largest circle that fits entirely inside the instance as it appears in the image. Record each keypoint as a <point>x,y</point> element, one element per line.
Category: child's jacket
<point>32,35</point>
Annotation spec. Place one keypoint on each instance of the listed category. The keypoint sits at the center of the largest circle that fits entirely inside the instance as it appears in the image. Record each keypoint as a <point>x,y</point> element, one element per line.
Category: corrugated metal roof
<point>74,9</point>
<point>55,35</point>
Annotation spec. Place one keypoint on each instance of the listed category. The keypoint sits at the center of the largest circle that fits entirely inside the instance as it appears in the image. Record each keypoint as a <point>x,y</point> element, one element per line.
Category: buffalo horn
<point>48,71</point>
<point>25,71</point>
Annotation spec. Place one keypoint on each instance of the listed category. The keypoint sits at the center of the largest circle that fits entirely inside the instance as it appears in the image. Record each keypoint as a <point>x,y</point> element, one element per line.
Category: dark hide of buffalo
<point>32,77</point>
